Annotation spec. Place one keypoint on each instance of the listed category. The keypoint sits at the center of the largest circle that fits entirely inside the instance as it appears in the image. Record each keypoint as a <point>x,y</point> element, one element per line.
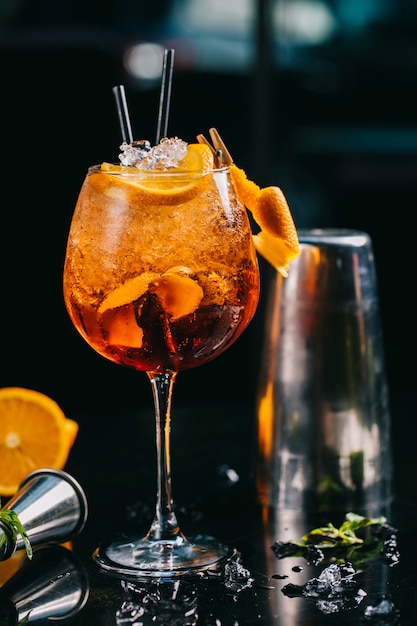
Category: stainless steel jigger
<point>53,586</point>
<point>323,408</point>
<point>51,506</point>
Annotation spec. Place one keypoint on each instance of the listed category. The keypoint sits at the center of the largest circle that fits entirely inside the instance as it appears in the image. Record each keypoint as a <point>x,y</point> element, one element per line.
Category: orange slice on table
<point>34,433</point>
<point>277,240</point>
<point>187,180</point>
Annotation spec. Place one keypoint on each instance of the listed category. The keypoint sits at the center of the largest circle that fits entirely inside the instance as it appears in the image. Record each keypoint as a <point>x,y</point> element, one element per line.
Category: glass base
<point>133,557</point>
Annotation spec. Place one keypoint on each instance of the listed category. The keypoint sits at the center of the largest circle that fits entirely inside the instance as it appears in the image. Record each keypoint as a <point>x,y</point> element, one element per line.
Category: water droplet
<point>310,553</point>
<point>228,475</point>
<point>292,591</point>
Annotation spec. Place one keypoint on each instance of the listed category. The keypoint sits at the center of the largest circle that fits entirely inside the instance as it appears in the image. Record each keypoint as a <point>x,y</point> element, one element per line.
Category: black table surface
<point>113,459</point>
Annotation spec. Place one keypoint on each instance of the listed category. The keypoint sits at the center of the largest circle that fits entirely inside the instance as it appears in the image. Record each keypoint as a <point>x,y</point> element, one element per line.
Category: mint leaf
<point>343,544</point>
<point>9,517</point>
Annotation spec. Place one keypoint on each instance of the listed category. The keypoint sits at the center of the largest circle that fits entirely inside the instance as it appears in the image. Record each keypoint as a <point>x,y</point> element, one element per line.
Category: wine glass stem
<point>164,525</point>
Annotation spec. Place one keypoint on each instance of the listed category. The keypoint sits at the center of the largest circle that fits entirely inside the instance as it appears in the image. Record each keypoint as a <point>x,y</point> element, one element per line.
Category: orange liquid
<point>160,287</point>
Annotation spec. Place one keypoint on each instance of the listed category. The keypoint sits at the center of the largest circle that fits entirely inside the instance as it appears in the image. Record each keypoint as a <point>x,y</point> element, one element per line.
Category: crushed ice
<point>390,555</point>
<point>158,602</point>
<point>175,603</point>
<point>237,577</point>
<point>334,590</point>
<point>384,613</point>
<point>168,153</point>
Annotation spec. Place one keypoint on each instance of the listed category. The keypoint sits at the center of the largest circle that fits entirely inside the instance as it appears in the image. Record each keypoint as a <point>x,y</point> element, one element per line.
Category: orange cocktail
<point>161,275</point>
<point>161,272</point>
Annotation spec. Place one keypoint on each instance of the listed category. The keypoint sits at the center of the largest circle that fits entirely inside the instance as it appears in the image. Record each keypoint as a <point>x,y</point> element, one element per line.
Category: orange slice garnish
<point>122,327</point>
<point>247,190</point>
<point>34,433</point>
<point>184,182</point>
<point>275,251</point>
<point>277,240</point>
<point>199,159</point>
<point>118,314</point>
<point>179,295</point>
<point>127,292</point>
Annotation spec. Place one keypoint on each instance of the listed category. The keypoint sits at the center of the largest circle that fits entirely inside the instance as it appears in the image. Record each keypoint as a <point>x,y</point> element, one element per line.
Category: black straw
<point>165,96</point>
<point>123,113</point>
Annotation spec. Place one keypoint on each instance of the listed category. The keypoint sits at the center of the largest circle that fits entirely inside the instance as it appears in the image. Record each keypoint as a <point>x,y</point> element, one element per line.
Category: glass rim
<point>333,236</point>
<point>132,171</point>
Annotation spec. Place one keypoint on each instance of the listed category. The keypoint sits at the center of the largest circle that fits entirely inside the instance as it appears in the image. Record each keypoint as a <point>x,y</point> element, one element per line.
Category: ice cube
<point>133,154</point>
<point>168,153</point>
<point>384,612</point>
<point>129,613</point>
<point>237,577</point>
<point>335,589</point>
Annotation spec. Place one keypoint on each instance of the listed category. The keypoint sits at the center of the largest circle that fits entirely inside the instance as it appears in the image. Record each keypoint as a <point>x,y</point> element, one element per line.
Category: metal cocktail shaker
<point>323,408</point>
<point>51,506</point>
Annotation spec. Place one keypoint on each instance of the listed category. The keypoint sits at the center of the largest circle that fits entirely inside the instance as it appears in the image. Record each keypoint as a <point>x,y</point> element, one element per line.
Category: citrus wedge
<point>127,292</point>
<point>122,327</point>
<point>181,184</point>
<point>34,433</point>
<point>179,295</point>
<point>247,190</point>
<point>275,251</point>
<point>199,159</point>
<point>277,240</point>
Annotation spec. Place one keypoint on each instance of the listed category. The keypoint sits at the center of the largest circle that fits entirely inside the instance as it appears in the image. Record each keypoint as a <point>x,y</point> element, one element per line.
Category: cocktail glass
<point>160,275</point>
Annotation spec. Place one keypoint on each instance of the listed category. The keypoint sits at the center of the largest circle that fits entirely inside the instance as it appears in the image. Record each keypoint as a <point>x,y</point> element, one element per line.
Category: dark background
<point>334,124</point>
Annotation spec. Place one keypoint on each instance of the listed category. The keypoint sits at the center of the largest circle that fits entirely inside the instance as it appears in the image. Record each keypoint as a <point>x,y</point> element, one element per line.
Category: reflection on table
<point>217,497</point>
